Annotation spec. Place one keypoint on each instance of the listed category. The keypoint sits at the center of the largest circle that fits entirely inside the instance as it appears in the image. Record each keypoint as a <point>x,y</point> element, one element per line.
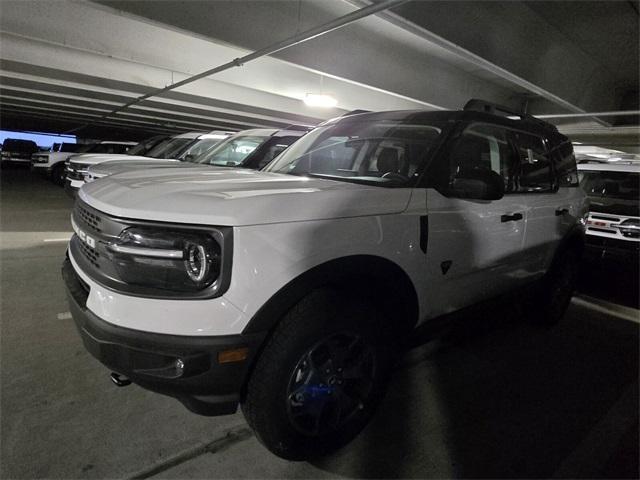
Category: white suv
<point>246,149</point>
<point>168,150</point>
<point>613,226</point>
<point>290,290</point>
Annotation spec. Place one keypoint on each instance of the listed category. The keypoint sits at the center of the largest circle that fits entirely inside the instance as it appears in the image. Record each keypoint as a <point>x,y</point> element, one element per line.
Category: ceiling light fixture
<point>320,100</point>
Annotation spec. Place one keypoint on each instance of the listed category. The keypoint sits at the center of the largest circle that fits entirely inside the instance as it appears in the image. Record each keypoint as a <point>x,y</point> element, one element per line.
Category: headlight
<point>630,228</point>
<point>178,261</point>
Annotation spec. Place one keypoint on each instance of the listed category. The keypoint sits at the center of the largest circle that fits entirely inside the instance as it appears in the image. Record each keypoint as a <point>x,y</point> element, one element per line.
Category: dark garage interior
<point>300,239</point>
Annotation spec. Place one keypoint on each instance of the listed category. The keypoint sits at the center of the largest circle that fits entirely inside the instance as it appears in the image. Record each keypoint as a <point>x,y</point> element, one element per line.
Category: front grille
<point>601,230</point>
<point>91,219</point>
<point>90,254</point>
<point>94,231</point>
<point>608,219</point>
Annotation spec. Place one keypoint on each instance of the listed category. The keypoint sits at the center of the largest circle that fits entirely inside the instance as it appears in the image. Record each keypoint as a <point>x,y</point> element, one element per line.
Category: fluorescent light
<point>320,100</point>
<point>577,143</point>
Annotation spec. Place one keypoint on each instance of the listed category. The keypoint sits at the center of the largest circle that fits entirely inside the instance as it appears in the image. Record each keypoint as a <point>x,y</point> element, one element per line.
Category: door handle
<point>561,211</point>
<point>511,218</point>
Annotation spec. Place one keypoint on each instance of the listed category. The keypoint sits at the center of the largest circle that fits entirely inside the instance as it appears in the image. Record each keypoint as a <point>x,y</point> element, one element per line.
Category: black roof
<point>512,120</point>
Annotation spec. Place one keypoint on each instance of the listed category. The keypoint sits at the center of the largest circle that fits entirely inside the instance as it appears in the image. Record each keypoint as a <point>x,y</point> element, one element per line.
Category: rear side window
<point>565,163</point>
<point>484,147</point>
<point>534,169</point>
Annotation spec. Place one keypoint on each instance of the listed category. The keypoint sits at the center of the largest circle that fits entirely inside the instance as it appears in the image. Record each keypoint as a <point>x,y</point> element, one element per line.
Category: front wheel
<point>320,377</point>
<point>58,174</point>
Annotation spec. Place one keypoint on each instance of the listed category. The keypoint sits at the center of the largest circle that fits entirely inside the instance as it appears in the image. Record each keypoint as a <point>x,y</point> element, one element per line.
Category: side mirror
<point>188,157</point>
<point>477,185</point>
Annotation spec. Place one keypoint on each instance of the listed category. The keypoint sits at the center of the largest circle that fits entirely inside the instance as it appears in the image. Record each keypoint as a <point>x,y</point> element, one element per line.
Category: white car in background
<point>51,164</point>
<point>171,149</point>
<point>613,226</point>
<point>246,149</point>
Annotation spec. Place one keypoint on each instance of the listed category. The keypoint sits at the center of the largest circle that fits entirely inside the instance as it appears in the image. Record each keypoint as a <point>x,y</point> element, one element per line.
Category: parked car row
<point>52,164</point>
<point>246,149</point>
<point>282,270</point>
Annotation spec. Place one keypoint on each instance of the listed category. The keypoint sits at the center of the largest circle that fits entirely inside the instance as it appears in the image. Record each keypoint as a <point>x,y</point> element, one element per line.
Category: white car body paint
<point>284,225</point>
<point>104,169</point>
<point>52,159</point>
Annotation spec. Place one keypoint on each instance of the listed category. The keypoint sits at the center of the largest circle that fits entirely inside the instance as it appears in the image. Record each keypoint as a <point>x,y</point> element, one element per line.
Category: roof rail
<point>299,128</point>
<point>355,112</point>
<point>478,105</point>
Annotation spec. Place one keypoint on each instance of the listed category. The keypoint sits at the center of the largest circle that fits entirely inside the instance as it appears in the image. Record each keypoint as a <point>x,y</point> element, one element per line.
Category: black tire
<point>556,289</point>
<point>299,411</point>
<point>58,174</point>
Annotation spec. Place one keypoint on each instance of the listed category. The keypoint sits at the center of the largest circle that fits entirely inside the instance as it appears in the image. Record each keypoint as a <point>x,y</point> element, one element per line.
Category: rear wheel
<point>320,377</point>
<point>556,289</point>
<point>58,174</point>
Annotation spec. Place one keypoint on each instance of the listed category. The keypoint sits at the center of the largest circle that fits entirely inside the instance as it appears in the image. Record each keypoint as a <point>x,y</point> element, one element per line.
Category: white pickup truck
<point>51,164</point>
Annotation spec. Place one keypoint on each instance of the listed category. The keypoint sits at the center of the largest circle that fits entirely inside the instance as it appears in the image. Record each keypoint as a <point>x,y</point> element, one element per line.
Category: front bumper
<point>599,247</point>
<point>71,187</point>
<point>42,168</point>
<point>203,385</point>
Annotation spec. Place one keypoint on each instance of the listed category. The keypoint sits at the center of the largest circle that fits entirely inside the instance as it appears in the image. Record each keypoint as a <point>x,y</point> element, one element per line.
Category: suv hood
<point>92,158</point>
<point>120,166</point>
<point>235,197</point>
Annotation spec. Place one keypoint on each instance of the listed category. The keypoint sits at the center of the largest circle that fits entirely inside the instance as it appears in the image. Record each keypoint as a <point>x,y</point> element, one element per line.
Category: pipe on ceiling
<point>269,50</point>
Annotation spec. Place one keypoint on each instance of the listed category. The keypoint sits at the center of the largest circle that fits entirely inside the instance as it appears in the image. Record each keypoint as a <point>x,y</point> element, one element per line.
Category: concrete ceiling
<point>66,63</point>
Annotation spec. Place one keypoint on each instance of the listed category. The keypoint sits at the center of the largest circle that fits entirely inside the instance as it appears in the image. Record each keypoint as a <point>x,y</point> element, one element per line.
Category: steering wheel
<point>396,176</point>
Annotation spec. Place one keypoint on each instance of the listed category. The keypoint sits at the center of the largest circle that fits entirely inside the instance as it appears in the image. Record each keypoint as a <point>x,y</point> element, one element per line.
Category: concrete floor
<point>486,395</point>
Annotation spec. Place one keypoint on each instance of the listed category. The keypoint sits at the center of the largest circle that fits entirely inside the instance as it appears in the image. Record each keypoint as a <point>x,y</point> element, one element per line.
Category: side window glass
<point>534,170</point>
<point>566,169</point>
<point>483,147</point>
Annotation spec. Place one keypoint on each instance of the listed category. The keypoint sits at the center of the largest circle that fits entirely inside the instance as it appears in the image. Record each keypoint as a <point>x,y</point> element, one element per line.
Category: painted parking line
<point>64,316</point>
<point>608,308</point>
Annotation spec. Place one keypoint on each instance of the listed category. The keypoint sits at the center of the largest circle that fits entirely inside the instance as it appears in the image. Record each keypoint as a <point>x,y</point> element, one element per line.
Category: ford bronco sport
<point>289,290</point>
<point>613,226</point>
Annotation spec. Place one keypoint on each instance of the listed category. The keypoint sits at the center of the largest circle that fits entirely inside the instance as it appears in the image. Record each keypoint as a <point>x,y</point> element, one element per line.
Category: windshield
<point>197,149</point>
<point>144,146</point>
<point>233,151</point>
<point>377,152</point>
<point>68,147</point>
<point>138,149</point>
<point>111,148</point>
<point>607,184</point>
<point>85,148</point>
<point>20,146</point>
<point>170,148</point>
